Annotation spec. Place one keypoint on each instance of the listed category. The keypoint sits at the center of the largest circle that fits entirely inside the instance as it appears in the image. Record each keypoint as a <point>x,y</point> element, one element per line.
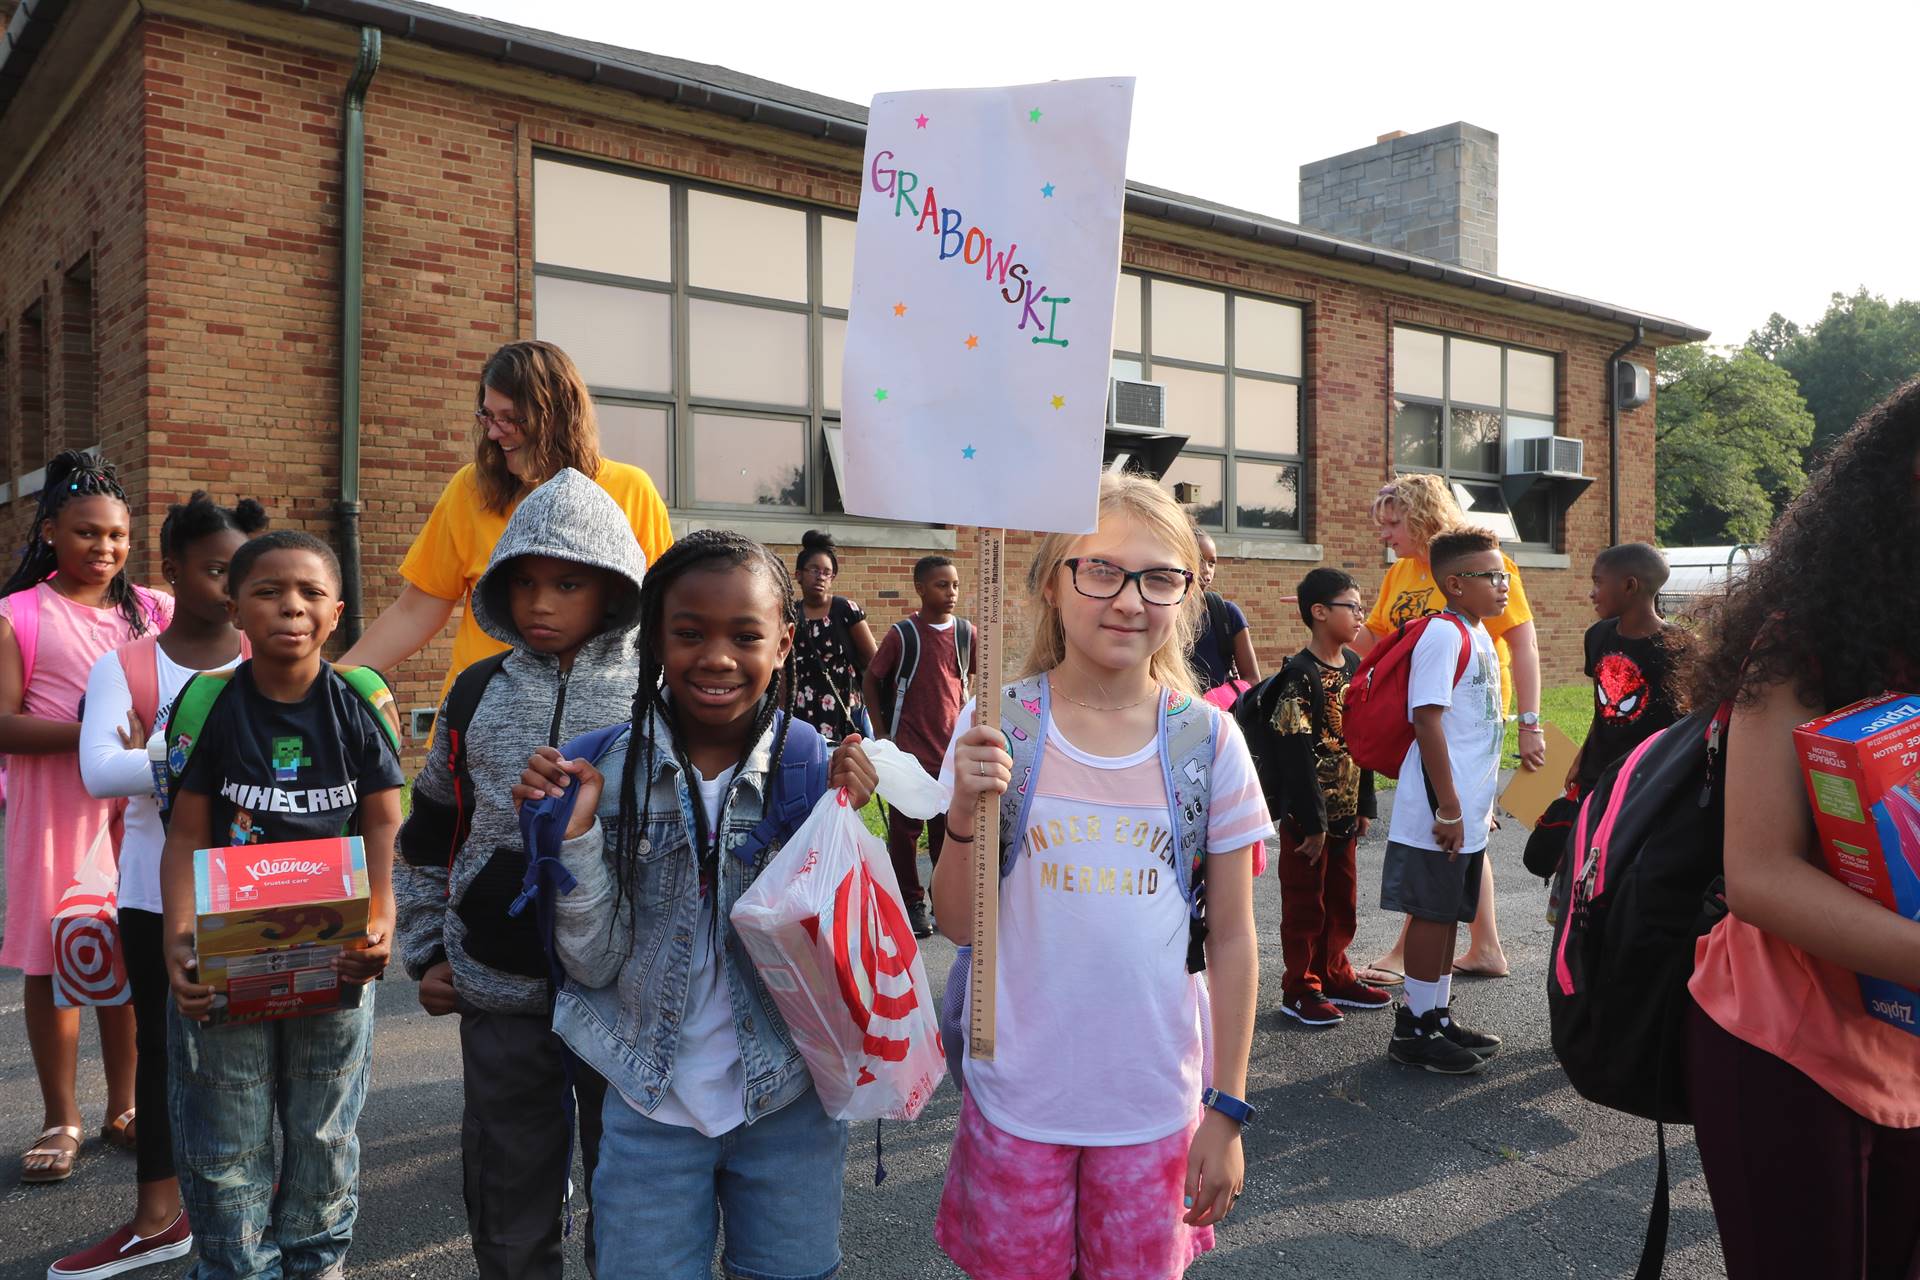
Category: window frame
<point>1229,454</point>
<point>680,403</point>
<point>1446,405</point>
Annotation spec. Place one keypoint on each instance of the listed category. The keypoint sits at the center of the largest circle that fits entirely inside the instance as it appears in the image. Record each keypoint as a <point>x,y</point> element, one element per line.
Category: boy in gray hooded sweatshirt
<point>563,589</point>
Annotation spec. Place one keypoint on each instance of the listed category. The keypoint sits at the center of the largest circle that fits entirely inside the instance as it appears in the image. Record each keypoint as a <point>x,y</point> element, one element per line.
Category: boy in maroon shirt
<point>917,683</point>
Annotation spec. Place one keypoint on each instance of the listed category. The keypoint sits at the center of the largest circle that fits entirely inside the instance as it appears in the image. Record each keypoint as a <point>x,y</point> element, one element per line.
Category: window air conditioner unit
<point>1141,406</point>
<point>1548,456</point>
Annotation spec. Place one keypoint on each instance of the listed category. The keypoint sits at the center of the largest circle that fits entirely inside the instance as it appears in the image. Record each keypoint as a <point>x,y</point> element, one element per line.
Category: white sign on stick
<point>981,334</point>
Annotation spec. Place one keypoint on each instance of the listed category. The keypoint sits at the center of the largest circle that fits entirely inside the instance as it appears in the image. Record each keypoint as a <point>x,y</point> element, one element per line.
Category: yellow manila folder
<point>1531,791</point>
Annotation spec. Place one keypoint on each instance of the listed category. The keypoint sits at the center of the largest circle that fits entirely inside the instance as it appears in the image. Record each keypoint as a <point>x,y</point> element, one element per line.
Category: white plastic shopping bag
<point>828,934</point>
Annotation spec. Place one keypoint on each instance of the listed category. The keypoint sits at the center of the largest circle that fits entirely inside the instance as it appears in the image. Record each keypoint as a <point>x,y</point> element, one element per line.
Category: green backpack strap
<point>182,725</point>
<point>373,691</point>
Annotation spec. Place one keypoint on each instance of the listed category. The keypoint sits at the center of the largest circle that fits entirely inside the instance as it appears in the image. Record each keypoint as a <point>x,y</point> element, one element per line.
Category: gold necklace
<point>1125,706</point>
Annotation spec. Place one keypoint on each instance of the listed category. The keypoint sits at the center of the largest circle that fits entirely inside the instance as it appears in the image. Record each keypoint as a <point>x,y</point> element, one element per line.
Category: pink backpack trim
<point>140,662</point>
<point>26,625</point>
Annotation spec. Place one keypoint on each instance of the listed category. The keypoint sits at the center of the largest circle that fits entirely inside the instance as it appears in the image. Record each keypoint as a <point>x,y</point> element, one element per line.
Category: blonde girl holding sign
<point>1083,1147</point>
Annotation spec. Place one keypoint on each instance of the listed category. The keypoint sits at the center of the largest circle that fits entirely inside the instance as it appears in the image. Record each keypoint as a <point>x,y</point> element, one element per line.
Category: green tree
<point>1730,430</point>
<point>1858,352</point>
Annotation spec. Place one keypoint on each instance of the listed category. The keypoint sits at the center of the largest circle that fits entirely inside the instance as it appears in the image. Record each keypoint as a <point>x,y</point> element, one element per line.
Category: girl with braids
<point>711,1112</point>
<point>125,691</point>
<point>68,602</point>
<point>1806,1108</point>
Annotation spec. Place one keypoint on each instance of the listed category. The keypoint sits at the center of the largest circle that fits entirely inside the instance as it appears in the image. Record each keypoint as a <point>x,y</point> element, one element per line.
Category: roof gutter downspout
<point>353,163</point>
<point>1613,432</point>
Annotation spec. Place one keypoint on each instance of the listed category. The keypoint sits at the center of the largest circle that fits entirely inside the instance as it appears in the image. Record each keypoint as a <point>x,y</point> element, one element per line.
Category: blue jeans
<point>225,1085</point>
<point>660,1190</point>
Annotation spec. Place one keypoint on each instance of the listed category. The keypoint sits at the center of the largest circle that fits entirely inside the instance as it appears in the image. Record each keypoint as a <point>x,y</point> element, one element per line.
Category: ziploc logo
<point>1875,720</point>
<point>1891,716</point>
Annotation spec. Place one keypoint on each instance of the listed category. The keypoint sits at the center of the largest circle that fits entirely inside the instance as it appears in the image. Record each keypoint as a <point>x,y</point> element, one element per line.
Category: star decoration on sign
<point>973,340</point>
<point>1047,191</point>
<point>879,393</point>
<point>1059,402</point>
<point>968,453</point>
<point>1033,116</point>
<point>920,121</point>
<point>899,308</point>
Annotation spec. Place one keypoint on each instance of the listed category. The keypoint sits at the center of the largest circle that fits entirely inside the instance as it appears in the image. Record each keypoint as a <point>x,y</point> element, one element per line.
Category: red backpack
<point>1378,729</point>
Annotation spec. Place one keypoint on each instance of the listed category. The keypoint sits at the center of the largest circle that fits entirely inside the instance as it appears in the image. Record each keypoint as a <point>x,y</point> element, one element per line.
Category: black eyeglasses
<point>1498,577</point>
<point>1359,610</point>
<point>1099,580</point>
<point>487,418</point>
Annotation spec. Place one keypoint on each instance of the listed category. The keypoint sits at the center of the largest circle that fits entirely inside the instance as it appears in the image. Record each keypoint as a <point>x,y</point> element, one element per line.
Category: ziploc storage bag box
<point>270,920</point>
<point>1862,765</point>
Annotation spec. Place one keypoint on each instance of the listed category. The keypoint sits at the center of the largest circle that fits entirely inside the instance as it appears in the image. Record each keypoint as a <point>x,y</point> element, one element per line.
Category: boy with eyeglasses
<point>1322,803</point>
<point>1443,807</point>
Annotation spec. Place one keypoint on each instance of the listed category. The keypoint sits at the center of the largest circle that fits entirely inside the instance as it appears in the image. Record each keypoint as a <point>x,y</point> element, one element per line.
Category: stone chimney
<point>1434,193</point>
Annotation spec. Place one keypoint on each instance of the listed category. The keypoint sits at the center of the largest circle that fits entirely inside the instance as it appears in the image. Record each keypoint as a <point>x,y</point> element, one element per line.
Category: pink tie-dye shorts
<point>1019,1210</point>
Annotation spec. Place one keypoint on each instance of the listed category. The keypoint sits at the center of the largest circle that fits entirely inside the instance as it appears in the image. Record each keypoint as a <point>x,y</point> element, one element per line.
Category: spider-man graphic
<point>1622,688</point>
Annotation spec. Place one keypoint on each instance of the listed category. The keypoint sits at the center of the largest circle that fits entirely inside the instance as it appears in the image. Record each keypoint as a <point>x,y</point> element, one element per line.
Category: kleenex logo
<point>285,866</point>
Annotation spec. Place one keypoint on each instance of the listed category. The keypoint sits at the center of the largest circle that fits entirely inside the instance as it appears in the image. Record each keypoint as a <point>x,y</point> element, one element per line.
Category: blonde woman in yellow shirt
<point>533,418</point>
<point>1409,512</point>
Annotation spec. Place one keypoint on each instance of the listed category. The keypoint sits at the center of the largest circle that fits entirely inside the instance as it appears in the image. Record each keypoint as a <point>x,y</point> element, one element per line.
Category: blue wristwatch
<point>1235,1109</point>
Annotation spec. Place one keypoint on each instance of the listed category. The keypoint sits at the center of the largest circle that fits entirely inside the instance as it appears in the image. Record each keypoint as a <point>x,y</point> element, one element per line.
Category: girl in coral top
<point>1806,1108</point>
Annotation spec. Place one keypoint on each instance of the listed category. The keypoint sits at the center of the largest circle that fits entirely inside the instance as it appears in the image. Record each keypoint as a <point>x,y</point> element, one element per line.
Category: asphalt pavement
<point>1356,1167</point>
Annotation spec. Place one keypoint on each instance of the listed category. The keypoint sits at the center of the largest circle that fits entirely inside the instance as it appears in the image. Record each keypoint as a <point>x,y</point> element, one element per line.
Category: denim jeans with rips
<point>225,1086</point>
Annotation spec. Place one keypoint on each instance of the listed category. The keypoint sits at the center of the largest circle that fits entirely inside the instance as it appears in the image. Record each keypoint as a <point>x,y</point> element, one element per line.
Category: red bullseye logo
<point>87,968</point>
<point>873,954</point>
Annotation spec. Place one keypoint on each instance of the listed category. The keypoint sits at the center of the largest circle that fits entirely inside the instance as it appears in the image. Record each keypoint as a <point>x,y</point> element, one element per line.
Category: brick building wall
<point>215,280</point>
<point>73,295</point>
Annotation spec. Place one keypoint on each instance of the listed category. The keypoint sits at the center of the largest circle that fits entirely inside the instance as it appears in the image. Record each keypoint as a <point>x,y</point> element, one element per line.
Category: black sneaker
<point>918,919</point>
<point>1422,1042</point>
<point>1478,1043</point>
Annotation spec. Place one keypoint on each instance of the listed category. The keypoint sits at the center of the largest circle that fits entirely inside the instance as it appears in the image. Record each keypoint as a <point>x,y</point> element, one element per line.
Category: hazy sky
<point>1710,163</point>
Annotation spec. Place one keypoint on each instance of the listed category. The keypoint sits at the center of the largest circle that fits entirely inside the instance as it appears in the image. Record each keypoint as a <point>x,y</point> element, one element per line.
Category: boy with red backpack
<point>1443,808</point>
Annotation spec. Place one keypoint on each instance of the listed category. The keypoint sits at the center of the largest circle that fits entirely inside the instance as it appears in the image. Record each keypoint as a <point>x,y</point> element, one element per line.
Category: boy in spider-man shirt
<point>1634,657</point>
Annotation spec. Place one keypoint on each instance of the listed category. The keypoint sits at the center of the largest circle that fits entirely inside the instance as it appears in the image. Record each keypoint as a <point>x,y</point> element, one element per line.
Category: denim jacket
<point>627,964</point>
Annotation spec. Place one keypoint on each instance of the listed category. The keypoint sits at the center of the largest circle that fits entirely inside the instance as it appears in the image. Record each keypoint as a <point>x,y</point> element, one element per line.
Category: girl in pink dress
<point>72,576</point>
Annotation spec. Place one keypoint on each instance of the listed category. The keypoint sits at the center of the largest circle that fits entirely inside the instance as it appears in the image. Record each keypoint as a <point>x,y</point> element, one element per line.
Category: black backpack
<point>1641,882</point>
<point>893,693</point>
<point>1253,712</point>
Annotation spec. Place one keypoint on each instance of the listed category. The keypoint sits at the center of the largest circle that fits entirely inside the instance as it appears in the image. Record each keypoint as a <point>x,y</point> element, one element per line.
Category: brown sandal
<point>60,1167</point>
<point>118,1132</point>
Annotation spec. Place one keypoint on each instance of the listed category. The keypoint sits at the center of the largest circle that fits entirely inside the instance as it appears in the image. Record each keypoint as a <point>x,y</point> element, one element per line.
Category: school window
<point>1458,406</point>
<point>33,388</point>
<point>709,326</point>
<point>6,414</point>
<point>79,368</point>
<point>1231,364</point>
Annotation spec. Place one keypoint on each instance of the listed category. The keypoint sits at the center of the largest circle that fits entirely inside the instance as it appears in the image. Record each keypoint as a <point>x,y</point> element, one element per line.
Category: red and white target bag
<point>89,967</point>
<point>828,934</point>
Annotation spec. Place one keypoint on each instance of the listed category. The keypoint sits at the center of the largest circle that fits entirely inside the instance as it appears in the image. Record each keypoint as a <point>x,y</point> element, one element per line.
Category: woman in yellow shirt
<point>535,419</point>
<point>1409,512</point>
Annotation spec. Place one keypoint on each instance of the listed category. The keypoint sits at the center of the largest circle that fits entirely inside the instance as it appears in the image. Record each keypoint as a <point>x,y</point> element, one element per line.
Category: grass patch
<point>1570,706</point>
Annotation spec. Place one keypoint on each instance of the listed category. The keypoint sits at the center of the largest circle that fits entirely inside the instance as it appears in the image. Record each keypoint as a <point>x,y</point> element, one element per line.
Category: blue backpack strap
<point>1026,708</point>
<point>791,794</point>
<point>1186,756</point>
<point>543,826</point>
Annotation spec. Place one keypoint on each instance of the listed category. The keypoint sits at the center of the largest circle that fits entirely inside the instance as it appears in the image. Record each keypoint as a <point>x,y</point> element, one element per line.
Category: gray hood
<point>569,518</point>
